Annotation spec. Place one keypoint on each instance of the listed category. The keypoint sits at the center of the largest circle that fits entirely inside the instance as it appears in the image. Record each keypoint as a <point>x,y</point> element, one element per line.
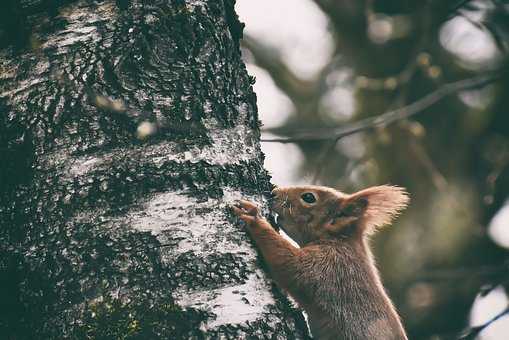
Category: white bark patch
<point>191,4</point>
<point>232,305</point>
<point>229,146</point>
<point>75,31</point>
<point>200,226</point>
<point>22,86</point>
<point>83,165</point>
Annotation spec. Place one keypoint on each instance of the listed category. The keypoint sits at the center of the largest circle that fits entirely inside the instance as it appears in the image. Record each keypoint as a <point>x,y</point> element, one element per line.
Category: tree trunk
<point>126,131</point>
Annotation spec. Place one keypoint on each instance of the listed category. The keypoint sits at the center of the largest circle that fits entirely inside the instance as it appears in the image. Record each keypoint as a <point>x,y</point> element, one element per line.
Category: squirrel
<point>332,276</point>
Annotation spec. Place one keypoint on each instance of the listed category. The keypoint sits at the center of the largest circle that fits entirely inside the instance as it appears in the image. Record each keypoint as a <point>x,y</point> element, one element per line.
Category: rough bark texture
<point>109,232</point>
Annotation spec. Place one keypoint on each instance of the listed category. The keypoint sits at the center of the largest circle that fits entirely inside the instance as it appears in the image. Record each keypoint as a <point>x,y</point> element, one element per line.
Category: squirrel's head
<point>310,213</point>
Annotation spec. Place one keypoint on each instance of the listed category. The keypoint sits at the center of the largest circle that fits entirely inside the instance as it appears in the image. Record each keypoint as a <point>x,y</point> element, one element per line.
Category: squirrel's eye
<point>308,197</point>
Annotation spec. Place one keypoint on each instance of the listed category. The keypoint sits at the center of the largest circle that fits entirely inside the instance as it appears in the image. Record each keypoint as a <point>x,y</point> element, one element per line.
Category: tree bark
<point>127,128</point>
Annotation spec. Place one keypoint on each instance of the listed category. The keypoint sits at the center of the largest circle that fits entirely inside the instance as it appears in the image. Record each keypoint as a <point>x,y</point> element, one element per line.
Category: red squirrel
<point>332,275</point>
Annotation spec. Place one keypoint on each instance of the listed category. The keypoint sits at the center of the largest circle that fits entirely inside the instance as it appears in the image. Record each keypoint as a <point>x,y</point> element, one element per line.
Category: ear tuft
<point>384,203</point>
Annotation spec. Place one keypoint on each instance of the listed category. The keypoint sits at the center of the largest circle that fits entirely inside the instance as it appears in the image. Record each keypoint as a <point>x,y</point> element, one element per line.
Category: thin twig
<point>405,77</point>
<point>390,116</point>
<point>268,59</point>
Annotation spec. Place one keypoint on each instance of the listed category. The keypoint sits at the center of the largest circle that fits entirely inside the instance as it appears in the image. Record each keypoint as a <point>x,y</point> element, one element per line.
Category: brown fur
<point>332,276</point>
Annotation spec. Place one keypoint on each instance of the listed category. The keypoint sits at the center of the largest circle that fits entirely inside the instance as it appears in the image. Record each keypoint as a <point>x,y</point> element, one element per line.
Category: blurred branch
<point>390,116</point>
<point>349,21</point>
<point>268,59</point>
<point>462,273</point>
<point>472,332</point>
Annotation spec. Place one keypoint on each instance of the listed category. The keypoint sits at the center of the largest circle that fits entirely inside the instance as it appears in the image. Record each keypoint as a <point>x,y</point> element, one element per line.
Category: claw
<point>246,211</point>
<point>238,211</point>
<point>249,207</point>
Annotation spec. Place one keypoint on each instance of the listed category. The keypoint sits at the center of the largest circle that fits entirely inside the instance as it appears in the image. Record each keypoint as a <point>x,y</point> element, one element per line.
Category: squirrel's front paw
<point>246,211</point>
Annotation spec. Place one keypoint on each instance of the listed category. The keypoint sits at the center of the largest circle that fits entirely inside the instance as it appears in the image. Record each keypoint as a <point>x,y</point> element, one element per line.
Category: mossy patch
<point>112,318</point>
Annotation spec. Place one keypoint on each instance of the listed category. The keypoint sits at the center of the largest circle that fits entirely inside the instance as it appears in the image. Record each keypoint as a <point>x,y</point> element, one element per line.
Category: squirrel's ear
<point>345,218</point>
<point>383,204</point>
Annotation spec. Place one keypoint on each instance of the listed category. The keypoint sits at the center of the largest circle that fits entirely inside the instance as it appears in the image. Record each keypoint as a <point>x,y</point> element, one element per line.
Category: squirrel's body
<point>342,294</point>
<point>332,276</point>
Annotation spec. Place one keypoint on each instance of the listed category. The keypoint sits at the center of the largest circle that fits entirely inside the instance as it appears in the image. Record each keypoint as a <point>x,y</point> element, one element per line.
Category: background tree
<point>440,69</point>
<point>127,128</point>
